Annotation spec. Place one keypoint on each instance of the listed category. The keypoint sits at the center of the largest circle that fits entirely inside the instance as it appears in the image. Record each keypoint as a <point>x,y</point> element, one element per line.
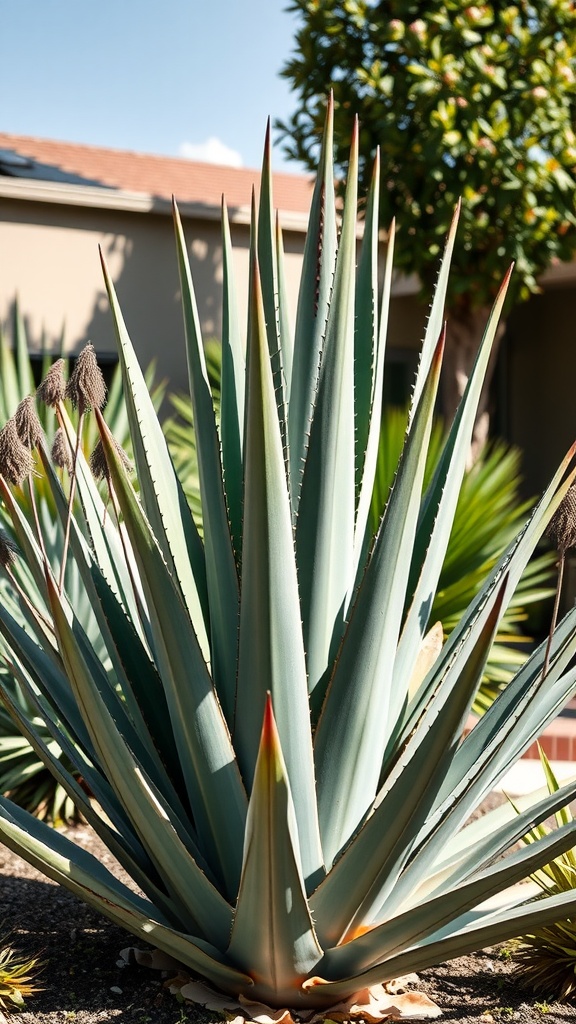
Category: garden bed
<point>84,984</point>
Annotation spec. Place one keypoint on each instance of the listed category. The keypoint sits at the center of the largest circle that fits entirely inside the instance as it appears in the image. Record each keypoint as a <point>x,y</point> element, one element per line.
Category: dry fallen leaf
<point>389,1002</point>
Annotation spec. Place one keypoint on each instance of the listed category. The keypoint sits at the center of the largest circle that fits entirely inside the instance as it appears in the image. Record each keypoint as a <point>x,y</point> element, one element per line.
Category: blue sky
<point>196,78</point>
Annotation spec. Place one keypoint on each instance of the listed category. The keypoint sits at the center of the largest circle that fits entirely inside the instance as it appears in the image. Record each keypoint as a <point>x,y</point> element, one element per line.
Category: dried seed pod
<point>99,465</point>
<point>16,460</point>
<point>8,550</point>
<point>61,453</point>
<point>27,423</point>
<point>86,388</point>
<point>562,526</point>
<point>53,388</point>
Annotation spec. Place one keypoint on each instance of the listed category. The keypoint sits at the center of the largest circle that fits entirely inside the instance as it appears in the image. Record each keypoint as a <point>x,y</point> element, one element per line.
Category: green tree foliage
<point>471,101</point>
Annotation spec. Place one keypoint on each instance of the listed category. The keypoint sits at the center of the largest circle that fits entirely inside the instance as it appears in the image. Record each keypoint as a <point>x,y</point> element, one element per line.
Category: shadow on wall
<point>143,265</point>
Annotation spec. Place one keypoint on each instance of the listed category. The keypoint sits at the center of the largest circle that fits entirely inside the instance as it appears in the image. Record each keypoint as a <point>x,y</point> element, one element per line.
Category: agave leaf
<point>362,535</point>
<point>436,318</point>
<point>47,672</point>
<point>162,495</point>
<point>10,391</point>
<point>140,683</point>
<point>368,870</point>
<point>81,873</point>
<point>325,524</point>
<point>273,936</point>
<point>486,929</point>
<point>109,548</point>
<point>355,723</point>
<point>86,769</point>
<point>513,562</point>
<point>232,391</point>
<point>366,323</point>
<point>271,651</point>
<point>472,849</point>
<point>442,910</point>
<point>22,354</point>
<point>221,575</point>
<point>152,816</point>
<point>268,264</point>
<point>208,763</point>
<point>122,844</point>
<point>314,298</point>
<point>283,317</point>
<point>479,764</point>
<point>439,507</point>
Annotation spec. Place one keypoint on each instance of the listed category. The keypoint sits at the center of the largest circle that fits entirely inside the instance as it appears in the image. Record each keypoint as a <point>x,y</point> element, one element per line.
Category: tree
<point>477,102</point>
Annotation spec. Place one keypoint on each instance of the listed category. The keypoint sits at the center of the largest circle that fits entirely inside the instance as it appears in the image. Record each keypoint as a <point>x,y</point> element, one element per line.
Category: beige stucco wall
<point>49,258</point>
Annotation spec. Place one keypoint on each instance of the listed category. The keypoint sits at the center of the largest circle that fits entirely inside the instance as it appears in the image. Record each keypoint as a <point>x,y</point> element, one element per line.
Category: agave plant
<point>275,745</point>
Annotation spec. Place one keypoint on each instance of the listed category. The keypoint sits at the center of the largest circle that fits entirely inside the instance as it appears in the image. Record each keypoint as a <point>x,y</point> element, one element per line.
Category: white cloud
<point>213,151</point>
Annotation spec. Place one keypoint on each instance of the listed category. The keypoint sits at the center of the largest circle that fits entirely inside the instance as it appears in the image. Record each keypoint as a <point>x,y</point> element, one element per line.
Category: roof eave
<point>131,202</point>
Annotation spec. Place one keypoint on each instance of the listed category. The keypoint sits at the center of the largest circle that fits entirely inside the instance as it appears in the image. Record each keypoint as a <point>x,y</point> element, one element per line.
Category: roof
<point>159,177</point>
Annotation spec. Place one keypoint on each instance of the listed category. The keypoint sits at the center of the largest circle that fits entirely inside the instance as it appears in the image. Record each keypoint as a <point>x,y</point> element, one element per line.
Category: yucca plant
<point>275,746</point>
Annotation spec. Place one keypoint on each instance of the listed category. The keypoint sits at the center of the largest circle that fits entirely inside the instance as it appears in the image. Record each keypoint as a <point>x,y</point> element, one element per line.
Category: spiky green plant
<point>277,767</point>
<point>546,957</point>
<point>23,775</point>
<point>16,978</point>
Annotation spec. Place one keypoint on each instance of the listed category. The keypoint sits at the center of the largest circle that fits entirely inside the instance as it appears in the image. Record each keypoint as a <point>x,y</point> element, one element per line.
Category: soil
<point>83,981</point>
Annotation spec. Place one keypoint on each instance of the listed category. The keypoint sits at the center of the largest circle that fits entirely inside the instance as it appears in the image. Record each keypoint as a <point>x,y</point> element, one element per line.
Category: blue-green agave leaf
<point>231,391</point>
<point>271,650</point>
<point>318,266</point>
<point>355,721</point>
<point>325,524</point>
<point>273,935</point>
<point>80,872</point>
<point>205,751</point>
<point>162,495</point>
<point>221,575</point>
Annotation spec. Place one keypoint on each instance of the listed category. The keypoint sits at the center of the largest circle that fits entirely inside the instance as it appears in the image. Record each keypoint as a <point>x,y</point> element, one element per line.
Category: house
<point>60,201</point>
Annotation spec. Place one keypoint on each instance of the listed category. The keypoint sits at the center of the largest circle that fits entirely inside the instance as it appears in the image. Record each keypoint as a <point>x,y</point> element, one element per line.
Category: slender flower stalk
<point>31,434</point>
<point>86,390</point>
<point>562,531</point>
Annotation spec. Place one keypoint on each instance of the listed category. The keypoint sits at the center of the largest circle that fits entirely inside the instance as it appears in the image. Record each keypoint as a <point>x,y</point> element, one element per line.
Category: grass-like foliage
<point>16,978</point>
<point>547,956</point>
<point>273,739</point>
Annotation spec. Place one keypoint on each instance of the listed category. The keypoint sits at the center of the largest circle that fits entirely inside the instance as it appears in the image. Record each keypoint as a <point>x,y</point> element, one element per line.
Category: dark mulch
<point>84,984</point>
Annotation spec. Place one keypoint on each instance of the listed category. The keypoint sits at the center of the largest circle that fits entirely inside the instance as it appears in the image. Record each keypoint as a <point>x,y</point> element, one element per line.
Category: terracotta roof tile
<point>160,176</point>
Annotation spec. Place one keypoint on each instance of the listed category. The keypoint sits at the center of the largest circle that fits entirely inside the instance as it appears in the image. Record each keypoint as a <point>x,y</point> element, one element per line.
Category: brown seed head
<point>53,388</point>
<point>61,453</point>
<point>16,460</point>
<point>562,526</point>
<point>99,465</point>
<point>86,388</point>
<point>8,550</point>
<point>27,423</point>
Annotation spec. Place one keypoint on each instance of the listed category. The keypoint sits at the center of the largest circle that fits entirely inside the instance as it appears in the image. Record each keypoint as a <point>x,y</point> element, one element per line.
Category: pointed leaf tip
<point>269,729</point>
